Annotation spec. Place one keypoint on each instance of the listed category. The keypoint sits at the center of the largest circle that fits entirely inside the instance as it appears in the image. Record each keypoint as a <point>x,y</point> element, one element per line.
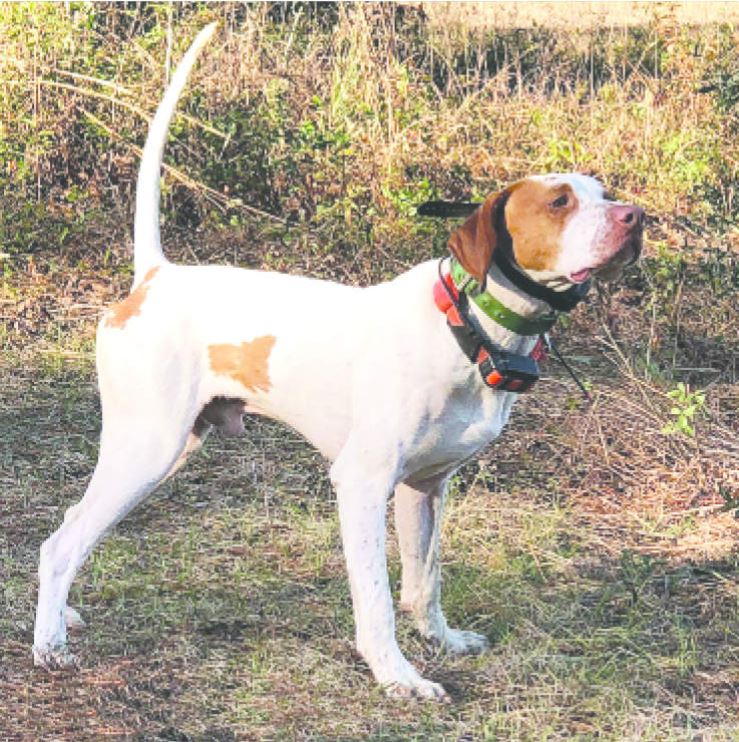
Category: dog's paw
<point>457,641</point>
<point>54,658</point>
<point>417,688</point>
<point>401,680</point>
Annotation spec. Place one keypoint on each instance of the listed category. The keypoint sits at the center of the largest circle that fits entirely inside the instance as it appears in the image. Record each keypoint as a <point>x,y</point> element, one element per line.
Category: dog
<point>396,384</point>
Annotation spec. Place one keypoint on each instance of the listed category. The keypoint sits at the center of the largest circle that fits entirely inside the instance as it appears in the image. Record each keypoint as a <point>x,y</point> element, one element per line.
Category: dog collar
<point>497,311</point>
<point>500,369</point>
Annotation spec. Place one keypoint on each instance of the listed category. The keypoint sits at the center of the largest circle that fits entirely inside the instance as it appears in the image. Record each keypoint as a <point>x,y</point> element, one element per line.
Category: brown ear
<point>473,243</point>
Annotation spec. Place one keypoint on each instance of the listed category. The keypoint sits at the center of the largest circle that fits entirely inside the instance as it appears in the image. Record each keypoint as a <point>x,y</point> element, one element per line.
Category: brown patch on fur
<point>474,242</point>
<point>120,313</point>
<point>245,363</point>
<point>535,225</point>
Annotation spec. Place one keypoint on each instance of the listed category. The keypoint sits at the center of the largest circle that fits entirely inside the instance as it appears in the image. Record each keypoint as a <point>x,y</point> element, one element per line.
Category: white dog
<point>396,384</point>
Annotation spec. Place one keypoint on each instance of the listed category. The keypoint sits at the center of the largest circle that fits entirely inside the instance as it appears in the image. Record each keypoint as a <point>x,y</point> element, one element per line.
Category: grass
<point>595,546</point>
<point>220,608</point>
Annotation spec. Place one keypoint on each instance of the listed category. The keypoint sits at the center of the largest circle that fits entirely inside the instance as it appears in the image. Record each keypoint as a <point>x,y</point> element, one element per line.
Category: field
<point>595,546</point>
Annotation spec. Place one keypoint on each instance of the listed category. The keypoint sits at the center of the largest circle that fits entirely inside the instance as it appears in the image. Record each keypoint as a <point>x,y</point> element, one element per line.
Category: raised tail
<point>147,251</point>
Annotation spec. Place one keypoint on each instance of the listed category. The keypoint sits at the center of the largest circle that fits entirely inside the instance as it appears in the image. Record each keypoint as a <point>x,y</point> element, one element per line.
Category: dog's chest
<point>468,421</point>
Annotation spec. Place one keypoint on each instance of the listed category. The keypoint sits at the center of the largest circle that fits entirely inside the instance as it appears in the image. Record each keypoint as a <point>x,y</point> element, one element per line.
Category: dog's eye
<point>560,202</point>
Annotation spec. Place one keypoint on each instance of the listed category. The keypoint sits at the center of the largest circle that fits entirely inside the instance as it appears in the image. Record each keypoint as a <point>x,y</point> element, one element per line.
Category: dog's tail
<point>147,251</point>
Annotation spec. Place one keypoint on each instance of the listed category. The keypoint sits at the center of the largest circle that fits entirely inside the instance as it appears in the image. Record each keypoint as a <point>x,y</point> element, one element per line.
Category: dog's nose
<point>629,216</point>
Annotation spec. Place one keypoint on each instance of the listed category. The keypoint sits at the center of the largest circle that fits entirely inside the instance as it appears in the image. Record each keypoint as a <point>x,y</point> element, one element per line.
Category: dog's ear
<point>473,243</point>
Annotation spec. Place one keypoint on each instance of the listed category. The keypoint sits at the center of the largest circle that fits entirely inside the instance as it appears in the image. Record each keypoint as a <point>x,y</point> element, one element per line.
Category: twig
<point>134,108</point>
<point>626,369</point>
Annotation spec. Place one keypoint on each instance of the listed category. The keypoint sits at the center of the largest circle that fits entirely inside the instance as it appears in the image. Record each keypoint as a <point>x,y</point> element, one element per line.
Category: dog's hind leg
<point>193,443</point>
<point>139,446</point>
<point>418,511</point>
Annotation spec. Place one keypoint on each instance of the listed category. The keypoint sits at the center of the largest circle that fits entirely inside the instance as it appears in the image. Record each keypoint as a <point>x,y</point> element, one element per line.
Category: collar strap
<point>500,369</point>
<point>496,310</point>
<point>562,301</point>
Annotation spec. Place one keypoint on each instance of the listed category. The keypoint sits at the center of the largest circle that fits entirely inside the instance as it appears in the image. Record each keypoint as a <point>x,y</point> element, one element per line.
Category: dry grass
<point>330,122</point>
<point>220,609</point>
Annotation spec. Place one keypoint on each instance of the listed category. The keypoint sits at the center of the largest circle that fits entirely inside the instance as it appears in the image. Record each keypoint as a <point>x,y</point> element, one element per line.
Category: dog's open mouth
<point>623,257</point>
<point>580,276</point>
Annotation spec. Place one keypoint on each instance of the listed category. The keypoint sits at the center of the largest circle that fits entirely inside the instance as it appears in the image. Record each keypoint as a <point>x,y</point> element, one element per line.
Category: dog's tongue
<point>580,276</point>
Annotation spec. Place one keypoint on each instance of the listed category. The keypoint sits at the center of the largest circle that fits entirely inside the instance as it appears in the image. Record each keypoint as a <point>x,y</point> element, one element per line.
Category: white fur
<point>372,377</point>
<point>582,241</point>
<point>147,243</point>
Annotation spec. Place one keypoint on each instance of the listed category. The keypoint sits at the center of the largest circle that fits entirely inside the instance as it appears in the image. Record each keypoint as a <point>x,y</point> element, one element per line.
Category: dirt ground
<point>219,610</point>
<point>586,14</point>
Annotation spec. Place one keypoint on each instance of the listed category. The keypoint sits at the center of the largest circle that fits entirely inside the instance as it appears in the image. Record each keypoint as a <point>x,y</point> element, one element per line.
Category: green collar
<point>498,312</point>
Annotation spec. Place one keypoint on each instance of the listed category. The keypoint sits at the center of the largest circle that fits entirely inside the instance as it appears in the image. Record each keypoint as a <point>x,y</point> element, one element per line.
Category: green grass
<point>220,608</point>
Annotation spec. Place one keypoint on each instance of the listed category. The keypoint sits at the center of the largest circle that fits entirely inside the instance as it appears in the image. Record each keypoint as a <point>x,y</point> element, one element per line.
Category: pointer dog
<point>373,377</point>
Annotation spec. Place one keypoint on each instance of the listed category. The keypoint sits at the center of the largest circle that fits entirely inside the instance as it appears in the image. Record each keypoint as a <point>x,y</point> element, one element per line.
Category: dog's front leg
<point>362,500</point>
<point>418,512</point>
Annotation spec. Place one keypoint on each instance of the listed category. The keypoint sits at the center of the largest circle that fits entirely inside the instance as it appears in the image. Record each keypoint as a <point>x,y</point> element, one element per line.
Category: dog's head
<point>559,229</point>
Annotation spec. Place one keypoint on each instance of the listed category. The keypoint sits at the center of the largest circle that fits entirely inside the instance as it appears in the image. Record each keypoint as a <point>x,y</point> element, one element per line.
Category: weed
<point>686,405</point>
